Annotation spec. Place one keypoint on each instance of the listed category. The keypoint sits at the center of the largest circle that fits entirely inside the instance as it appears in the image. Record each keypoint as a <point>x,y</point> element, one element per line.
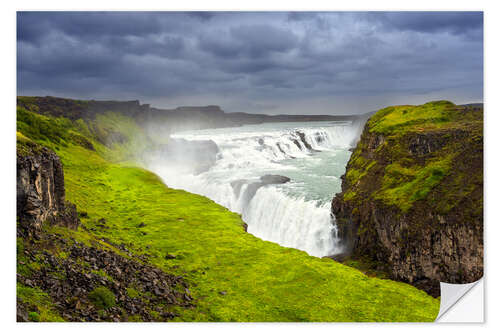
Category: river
<point>313,155</point>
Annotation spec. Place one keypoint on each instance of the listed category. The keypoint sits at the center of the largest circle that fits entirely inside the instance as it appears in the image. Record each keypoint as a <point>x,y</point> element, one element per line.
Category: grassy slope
<point>406,178</point>
<point>234,276</point>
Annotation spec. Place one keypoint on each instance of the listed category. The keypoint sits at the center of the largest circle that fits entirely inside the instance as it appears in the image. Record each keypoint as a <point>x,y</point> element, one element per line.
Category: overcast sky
<point>267,62</point>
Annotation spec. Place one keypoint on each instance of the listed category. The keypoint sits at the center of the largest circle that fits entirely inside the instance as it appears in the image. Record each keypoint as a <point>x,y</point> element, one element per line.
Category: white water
<point>295,214</point>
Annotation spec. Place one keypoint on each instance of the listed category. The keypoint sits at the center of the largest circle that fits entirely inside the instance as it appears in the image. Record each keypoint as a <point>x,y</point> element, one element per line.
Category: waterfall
<point>282,213</point>
<point>292,222</point>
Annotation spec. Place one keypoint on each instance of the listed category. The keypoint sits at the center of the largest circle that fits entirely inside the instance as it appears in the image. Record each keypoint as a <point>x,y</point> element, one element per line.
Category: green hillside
<point>232,275</point>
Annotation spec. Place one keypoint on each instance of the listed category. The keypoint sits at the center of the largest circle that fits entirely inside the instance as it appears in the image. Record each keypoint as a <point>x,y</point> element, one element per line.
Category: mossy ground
<point>432,115</point>
<point>102,297</point>
<point>39,302</point>
<point>401,178</point>
<point>233,275</point>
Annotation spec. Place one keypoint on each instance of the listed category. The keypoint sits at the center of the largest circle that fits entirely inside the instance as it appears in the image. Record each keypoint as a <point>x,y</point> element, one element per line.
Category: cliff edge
<point>40,189</point>
<point>412,195</point>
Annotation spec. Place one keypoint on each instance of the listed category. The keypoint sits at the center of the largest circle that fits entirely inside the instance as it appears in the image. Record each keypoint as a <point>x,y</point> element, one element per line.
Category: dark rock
<point>274,179</point>
<point>264,180</point>
<point>69,282</point>
<point>40,191</point>
<point>170,256</point>
<point>341,257</point>
<point>252,187</point>
<point>21,311</point>
<point>439,238</point>
<point>302,137</point>
<point>280,148</point>
<point>141,225</point>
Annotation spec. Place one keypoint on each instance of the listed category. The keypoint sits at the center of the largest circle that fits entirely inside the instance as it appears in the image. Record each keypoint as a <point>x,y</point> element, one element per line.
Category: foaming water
<point>293,214</point>
<point>292,222</point>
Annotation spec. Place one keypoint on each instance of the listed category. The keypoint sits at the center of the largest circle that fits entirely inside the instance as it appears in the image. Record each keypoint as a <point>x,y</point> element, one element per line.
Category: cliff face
<point>40,189</point>
<point>412,196</point>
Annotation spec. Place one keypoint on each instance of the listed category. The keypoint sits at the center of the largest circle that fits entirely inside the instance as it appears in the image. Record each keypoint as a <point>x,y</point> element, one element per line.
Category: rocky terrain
<point>92,284</point>
<point>40,189</point>
<point>412,196</point>
<point>86,283</point>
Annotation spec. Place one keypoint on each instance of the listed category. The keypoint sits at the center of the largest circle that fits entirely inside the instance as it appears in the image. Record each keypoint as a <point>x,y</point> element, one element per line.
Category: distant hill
<point>180,118</point>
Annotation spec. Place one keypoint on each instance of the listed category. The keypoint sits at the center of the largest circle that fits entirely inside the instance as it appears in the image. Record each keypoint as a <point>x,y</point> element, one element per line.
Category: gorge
<point>279,179</point>
<point>294,212</point>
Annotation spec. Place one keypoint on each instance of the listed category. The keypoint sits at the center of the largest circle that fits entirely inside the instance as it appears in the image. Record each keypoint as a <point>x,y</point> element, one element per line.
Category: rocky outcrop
<point>412,198</point>
<point>263,181</point>
<point>40,189</point>
<point>253,186</point>
<point>274,179</point>
<point>139,289</point>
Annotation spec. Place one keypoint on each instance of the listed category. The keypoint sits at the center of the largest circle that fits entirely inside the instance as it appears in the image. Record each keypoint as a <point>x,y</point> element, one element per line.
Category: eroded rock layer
<point>40,189</point>
<point>412,196</point>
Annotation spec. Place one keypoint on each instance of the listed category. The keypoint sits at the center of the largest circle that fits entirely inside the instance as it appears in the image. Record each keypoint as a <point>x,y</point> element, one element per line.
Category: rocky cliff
<point>412,195</point>
<point>40,189</point>
<point>61,278</point>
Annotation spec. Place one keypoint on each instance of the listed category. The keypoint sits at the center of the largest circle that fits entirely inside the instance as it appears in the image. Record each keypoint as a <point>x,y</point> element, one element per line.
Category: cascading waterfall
<point>292,222</point>
<point>293,214</point>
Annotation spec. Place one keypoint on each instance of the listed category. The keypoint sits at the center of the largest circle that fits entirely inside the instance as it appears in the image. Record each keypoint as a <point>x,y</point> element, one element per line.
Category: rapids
<point>293,214</point>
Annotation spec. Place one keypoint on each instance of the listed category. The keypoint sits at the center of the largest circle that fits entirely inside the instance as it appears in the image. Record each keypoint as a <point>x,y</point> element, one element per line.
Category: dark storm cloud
<point>454,22</point>
<point>260,62</point>
<point>33,26</point>
<point>256,40</point>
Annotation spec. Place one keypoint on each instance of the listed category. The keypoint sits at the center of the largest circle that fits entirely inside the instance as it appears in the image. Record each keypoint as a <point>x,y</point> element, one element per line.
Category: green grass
<point>103,274</point>
<point>120,134</point>
<point>418,118</point>
<point>233,275</point>
<point>410,117</point>
<point>38,299</point>
<point>46,130</point>
<point>102,297</point>
<point>360,168</point>
<point>403,186</point>
<point>401,178</point>
<point>261,280</point>
<point>132,292</point>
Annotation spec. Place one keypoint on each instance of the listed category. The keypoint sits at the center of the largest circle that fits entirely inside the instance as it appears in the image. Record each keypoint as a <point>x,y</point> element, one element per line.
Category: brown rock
<point>40,191</point>
<point>427,243</point>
